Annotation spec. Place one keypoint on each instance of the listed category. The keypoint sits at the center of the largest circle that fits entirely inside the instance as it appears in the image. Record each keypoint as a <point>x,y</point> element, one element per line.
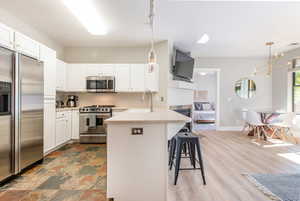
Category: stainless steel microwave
<point>100,84</point>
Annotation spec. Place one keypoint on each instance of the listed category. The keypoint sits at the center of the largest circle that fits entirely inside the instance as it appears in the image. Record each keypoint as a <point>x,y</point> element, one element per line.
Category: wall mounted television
<point>183,68</point>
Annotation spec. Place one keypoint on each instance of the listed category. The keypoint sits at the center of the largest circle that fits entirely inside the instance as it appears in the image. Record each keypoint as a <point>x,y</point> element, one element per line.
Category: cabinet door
<point>49,125</point>
<point>75,124</point>
<point>152,79</point>
<point>76,77</point>
<point>92,69</point>
<point>61,129</point>
<point>123,77</point>
<point>60,75</point>
<point>107,69</point>
<point>48,56</point>
<point>137,81</point>
<point>6,36</point>
<point>68,135</point>
<point>26,45</point>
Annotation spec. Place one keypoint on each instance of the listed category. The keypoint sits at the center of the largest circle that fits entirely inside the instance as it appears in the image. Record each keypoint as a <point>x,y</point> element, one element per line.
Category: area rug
<point>278,187</point>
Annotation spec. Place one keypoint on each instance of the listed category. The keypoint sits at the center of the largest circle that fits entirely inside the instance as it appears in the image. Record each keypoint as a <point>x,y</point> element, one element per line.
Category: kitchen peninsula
<point>137,154</point>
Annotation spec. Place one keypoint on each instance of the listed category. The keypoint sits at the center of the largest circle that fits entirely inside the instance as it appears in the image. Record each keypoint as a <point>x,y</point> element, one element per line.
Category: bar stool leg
<point>178,159</point>
<point>191,154</point>
<point>201,162</point>
<point>172,153</point>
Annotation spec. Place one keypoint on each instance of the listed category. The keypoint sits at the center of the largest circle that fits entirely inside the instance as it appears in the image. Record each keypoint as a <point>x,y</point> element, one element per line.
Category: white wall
<point>30,31</point>
<point>233,69</point>
<point>106,54</point>
<point>207,83</point>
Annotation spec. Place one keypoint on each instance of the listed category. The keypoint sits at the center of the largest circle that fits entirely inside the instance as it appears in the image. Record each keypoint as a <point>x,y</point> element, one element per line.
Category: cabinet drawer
<point>61,115</point>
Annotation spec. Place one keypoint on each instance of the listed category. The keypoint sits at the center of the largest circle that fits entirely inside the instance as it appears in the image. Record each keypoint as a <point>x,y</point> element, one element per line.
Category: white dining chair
<point>283,128</point>
<point>244,119</point>
<point>255,121</point>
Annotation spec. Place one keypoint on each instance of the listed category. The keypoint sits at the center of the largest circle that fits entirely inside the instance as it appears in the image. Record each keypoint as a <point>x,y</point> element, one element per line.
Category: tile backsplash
<point>135,100</point>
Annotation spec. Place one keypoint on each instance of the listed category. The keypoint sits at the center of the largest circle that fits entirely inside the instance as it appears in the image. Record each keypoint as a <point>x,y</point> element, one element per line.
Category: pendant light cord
<point>151,18</point>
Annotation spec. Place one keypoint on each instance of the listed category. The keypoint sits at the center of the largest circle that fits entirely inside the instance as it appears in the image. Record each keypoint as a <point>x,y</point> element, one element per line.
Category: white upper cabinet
<point>6,36</point>
<point>76,77</point>
<point>48,56</point>
<point>26,45</point>
<point>92,69</point>
<point>152,79</point>
<point>107,69</point>
<point>137,78</point>
<point>100,69</point>
<point>61,75</point>
<point>123,78</point>
<point>128,77</point>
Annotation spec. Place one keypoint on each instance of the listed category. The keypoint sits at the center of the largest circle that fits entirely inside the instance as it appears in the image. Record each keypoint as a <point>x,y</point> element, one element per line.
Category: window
<point>296,92</point>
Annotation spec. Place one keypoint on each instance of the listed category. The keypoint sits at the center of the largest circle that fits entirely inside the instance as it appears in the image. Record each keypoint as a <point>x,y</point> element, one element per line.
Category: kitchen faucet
<point>151,99</point>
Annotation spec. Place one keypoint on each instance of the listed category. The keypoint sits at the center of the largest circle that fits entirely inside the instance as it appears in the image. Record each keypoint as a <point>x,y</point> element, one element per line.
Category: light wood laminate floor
<point>227,155</point>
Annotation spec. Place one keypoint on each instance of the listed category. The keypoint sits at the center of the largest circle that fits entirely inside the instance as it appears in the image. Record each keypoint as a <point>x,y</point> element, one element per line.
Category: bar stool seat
<point>189,143</point>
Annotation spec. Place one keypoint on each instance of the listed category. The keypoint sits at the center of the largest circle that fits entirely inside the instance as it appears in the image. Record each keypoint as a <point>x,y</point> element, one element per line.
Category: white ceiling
<point>236,29</point>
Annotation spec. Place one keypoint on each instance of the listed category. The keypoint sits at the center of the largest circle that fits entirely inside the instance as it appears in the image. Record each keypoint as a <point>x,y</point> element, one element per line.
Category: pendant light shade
<point>152,60</point>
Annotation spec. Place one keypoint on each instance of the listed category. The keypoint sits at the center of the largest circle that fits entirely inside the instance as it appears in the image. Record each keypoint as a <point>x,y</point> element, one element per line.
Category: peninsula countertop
<point>158,116</point>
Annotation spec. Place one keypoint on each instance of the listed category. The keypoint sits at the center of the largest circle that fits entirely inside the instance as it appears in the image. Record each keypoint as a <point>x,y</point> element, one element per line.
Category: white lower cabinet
<point>68,135</point>
<point>49,125</point>
<point>61,128</point>
<point>75,125</point>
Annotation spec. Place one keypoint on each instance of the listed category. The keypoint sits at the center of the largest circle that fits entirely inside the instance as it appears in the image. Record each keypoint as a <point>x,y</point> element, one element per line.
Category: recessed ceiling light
<point>204,39</point>
<point>203,74</point>
<point>87,14</point>
<point>294,44</point>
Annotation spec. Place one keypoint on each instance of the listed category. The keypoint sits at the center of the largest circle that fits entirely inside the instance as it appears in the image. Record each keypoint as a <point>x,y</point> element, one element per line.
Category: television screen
<point>184,65</point>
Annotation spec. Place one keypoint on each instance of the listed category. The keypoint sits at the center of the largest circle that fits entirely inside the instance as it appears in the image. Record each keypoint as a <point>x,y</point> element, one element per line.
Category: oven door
<point>106,84</point>
<point>92,127</point>
<point>92,83</point>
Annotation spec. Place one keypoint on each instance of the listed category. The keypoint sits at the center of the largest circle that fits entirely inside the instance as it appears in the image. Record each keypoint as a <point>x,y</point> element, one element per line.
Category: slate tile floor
<point>75,172</point>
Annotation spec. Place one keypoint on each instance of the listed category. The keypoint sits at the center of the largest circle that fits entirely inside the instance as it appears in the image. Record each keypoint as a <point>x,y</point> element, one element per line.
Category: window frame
<point>293,91</point>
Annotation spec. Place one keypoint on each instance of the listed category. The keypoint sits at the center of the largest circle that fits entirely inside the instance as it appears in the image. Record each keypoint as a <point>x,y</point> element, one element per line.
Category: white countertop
<point>158,116</point>
<point>66,109</point>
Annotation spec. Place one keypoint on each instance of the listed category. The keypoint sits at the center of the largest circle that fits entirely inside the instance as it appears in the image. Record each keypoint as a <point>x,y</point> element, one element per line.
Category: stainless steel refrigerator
<point>21,112</point>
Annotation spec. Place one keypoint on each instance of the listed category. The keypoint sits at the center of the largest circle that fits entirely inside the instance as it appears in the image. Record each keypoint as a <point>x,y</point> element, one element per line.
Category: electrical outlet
<point>137,131</point>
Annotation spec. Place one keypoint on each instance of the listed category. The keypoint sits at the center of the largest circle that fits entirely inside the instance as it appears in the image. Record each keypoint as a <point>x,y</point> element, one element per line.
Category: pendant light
<point>270,60</point>
<point>152,58</point>
<point>269,68</point>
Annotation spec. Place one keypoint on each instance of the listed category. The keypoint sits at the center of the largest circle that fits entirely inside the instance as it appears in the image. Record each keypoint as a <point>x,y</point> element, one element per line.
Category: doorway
<point>206,113</point>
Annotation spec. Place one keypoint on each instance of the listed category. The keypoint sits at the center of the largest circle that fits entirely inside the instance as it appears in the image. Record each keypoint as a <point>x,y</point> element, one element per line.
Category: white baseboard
<point>229,128</point>
<point>58,147</point>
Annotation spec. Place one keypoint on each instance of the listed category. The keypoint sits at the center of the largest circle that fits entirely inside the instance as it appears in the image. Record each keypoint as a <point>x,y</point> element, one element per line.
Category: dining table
<point>267,117</point>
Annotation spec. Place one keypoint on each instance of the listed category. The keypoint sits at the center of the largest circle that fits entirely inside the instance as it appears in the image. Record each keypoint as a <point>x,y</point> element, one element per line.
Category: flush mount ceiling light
<point>86,13</point>
<point>203,74</point>
<point>204,39</point>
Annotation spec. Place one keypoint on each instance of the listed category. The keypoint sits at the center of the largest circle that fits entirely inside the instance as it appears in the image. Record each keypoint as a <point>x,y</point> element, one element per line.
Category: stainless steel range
<point>92,126</point>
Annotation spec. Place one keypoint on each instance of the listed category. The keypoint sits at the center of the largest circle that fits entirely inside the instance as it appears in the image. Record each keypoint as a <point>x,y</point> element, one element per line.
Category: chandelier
<point>271,57</point>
